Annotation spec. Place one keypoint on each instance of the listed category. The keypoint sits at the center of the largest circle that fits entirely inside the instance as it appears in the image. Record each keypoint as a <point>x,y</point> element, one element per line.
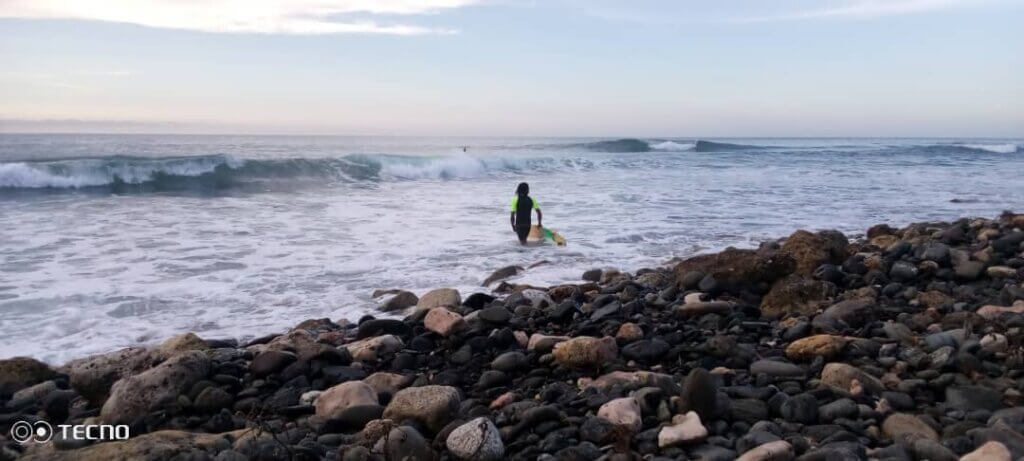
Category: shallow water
<point>110,241</point>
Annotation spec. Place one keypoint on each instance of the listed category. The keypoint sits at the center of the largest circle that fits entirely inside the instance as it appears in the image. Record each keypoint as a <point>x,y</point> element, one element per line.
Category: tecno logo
<point>24,432</point>
<point>42,432</point>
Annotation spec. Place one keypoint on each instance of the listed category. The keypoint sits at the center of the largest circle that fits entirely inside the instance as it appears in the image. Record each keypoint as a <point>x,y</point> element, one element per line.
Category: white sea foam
<point>454,167</point>
<point>996,148</point>
<point>672,146</point>
<point>99,172</point>
<point>24,175</point>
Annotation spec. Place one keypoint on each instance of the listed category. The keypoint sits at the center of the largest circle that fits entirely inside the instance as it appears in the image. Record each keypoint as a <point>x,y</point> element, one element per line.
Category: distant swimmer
<point>522,206</point>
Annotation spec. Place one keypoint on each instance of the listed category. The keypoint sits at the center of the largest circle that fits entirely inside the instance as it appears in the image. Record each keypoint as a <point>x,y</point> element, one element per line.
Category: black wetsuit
<point>524,208</point>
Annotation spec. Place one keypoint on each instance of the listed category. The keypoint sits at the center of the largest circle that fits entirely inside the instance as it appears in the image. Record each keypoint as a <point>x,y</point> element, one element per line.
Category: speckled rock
<point>434,406</point>
<point>586,351</point>
<point>477,440</point>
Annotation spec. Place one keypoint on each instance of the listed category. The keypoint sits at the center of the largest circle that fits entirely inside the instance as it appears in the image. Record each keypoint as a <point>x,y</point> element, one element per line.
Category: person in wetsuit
<point>522,207</point>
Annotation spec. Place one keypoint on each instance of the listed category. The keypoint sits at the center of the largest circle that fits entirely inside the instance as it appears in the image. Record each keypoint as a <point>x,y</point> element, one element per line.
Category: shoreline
<point>904,344</point>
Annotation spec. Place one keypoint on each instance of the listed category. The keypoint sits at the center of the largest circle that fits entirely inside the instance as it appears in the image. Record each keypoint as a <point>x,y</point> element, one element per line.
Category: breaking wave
<point>630,145</point>
<point>994,148</point>
<point>227,172</point>
<point>218,172</point>
<point>709,146</point>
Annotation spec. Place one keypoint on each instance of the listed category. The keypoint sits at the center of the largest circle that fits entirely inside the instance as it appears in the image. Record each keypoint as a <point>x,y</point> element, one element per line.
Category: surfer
<point>522,205</point>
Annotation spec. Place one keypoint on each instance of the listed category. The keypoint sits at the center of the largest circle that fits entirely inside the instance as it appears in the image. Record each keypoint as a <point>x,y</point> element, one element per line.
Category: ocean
<point>110,241</point>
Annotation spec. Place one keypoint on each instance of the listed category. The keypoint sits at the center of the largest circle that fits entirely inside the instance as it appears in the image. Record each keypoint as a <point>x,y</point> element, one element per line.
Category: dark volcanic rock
<point>903,271</point>
<point>748,410</point>
<point>22,372</point>
<point>738,268</point>
<point>810,250</point>
<point>497,315</point>
<point>801,408</point>
<point>969,270</point>
<point>477,301</point>
<point>271,361</point>
<point>510,362</point>
<point>852,312</point>
<point>592,275</point>
<point>973,397</point>
<point>501,274</point>
<point>377,327</point>
<point>699,394</point>
<point>796,295</point>
<point>777,369</point>
<point>646,350</point>
<point>842,408</point>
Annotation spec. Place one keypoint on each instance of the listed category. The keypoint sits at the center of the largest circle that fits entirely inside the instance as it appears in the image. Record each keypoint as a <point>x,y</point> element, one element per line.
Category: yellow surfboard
<point>539,234</point>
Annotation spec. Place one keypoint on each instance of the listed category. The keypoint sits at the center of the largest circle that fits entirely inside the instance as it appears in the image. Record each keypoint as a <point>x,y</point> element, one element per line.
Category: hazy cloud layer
<point>292,17</point>
<point>861,9</point>
<point>745,11</point>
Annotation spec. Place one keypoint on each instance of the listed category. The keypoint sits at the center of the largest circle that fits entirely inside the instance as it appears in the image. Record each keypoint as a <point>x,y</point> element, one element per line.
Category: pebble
<point>476,440</point>
<point>900,425</point>
<point>779,450</point>
<point>623,412</point>
<point>685,429</point>
<point>344,395</point>
<point>777,369</point>
<point>586,351</point>
<point>434,406</point>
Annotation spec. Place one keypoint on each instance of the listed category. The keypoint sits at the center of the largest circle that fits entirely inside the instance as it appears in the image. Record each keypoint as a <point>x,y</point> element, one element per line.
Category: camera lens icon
<point>42,432</point>
<point>24,432</point>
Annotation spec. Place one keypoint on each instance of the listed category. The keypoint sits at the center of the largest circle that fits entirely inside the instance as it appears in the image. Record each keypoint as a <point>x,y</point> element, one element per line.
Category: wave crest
<point>994,148</point>
<point>93,172</point>
<point>711,146</point>
<point>218,172</point>
<point>673,146</point>
<point>624,145</point>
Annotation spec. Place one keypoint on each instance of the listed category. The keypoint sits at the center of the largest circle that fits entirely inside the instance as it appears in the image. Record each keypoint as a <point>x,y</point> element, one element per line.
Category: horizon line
<point>439,136</point>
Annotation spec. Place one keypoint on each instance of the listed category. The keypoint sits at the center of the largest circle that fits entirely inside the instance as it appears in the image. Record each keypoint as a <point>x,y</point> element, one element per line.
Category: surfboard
<point>539,234</point>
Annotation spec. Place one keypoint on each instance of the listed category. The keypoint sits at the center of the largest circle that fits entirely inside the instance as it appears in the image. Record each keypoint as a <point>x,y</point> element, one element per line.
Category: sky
<point>515,67</point>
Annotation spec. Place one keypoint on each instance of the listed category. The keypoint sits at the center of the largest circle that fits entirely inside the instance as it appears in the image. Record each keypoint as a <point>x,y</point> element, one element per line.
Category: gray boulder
<point>93,376</point>
<point>477,440</point>
<point>134,396</point>
<point>434,406</point>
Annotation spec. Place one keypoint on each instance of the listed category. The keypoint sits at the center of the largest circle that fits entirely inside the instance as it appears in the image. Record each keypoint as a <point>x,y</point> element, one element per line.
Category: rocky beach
<point>901,344</point>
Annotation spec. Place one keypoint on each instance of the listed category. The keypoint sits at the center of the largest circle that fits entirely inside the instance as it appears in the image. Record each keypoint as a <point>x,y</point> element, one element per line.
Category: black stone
<point>491,378</point>
<point>842,408</point>
<point>903,271</point>
<point>973,397</point>
<point>829,273</point>
<point>510,362</point>
<point>270,362</point>
<point>699,394</point>
<point>497,315</point>
<point>802,408</point>
<point>377,327</point>
<point>597,430</point>
<point>646,350</point>
<point>352,419</point>
<point>477,301</point>
<point>748,410</point>
<point>338,374</point>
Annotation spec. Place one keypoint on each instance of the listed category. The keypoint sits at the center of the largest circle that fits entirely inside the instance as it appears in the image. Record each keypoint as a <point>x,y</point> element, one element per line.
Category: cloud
<point>291,17</point>
<point>654,12</point>
<point>108,73</point>
<point>859,9</point>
